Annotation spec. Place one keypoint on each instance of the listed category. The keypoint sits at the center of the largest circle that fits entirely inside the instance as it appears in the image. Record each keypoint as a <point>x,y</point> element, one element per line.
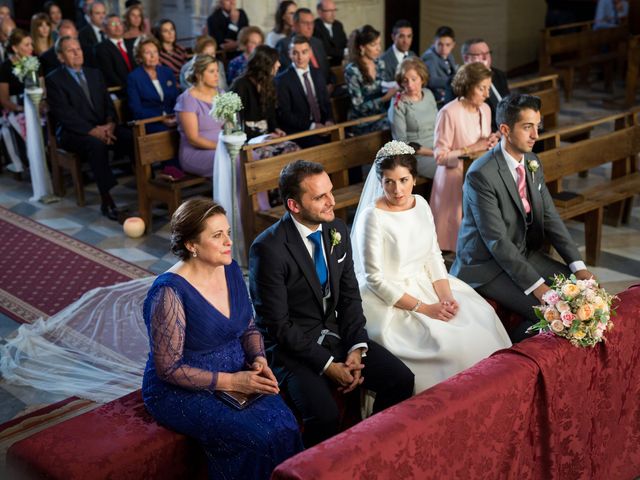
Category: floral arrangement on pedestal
<point>26,70</point>
<point>226,108</point>
<point>578,310</point>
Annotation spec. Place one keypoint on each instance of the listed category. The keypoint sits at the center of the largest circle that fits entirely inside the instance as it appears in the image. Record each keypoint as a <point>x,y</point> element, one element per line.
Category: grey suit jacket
<point>492,237</point>
<point>391,64</point>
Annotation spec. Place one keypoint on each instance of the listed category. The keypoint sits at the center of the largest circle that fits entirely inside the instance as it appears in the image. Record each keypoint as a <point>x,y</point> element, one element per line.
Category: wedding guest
<point>248,39</point>
<point>462,126</point>
<point>198,130</point>
<point>152,89</point>
<point>20,45</point>
<point>225,23</point>
<point>205,45</point>
<point>477,50</point>
<point>330,30</point>
<point>49,59</point>
<point>5,12</point>
<point>135,24</point>
<point>82,18</point>
<point>412,113</point>
<point>283,22</point>
<point>402,36</point>
<point>172,55</point>
<point>92,34</point>
<point>610,13</point>
<point>7,25</point>
<point>441,65</point>
<point>115,56</point>
<point>41,33</point>
<point>436,324</point>
<point>364,76</point>
<point>52,9</point>
<point>203,341</point>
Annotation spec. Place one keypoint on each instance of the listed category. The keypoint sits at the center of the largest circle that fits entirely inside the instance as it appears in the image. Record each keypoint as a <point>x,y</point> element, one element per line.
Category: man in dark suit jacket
<point>115,64</point>
<point>477,50</point>
<point>91,34</point>
<point>330,31</point>
<point>303,101</point>
<point>85,117</point>
<point>499,250</point>
<point>303,25</point>
<point>402,36</point>
<point>49,58</point>
<point>308,304</point>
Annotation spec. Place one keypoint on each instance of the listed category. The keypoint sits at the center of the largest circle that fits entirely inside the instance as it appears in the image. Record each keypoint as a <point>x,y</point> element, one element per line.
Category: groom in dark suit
<point>308,305</point>
<point>507,214</point>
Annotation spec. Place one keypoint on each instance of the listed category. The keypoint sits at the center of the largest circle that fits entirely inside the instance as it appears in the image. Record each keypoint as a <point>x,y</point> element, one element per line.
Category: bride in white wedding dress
<point>436,324</point>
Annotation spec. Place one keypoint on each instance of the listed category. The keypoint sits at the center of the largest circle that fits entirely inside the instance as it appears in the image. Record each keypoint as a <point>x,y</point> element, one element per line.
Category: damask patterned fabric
<point>540,410</point>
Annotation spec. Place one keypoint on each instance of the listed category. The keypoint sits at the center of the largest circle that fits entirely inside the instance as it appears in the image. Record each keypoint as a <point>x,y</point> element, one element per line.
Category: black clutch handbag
<point>238,400</point>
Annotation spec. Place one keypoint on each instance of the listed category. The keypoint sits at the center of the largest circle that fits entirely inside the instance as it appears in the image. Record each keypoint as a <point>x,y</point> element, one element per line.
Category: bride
<point>435,323</point>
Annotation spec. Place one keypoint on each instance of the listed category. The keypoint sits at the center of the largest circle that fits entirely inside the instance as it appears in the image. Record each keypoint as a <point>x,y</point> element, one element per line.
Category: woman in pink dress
<point>462,126</point>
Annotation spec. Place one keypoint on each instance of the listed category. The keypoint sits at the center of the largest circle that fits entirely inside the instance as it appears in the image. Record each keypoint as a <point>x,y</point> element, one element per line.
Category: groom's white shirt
<point>512,163</point>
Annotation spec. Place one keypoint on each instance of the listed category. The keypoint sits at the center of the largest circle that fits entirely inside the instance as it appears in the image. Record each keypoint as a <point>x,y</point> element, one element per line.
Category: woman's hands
<point>259,379</point>
<point>444,310</point>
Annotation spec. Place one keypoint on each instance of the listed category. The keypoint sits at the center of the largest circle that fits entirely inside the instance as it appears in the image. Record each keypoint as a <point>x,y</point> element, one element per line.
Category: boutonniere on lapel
<point>533,166</point>
<point>169,83</point>
<point>336,238</point>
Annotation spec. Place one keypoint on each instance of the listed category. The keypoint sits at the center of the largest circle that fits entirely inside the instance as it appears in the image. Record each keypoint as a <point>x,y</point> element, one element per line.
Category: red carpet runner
<point>42,270</point>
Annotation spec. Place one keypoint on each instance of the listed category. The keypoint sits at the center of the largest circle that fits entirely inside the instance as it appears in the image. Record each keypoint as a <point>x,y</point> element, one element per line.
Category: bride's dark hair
<point>390,162</point>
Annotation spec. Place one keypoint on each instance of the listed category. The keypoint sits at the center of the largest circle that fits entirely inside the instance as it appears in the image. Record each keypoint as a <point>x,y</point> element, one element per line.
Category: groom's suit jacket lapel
<point>507,179</point>
<point>332,265</point>
<point>300,254</point>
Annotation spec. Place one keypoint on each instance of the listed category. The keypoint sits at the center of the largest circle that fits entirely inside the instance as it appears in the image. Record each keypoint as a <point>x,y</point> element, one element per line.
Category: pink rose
<point>563,306</point>
<point>550,297</point>
<point>567,318</point>
<point>557,326</point>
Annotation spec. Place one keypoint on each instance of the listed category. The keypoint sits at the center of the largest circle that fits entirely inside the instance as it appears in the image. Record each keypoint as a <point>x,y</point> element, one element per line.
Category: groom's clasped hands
<point>347,374</point>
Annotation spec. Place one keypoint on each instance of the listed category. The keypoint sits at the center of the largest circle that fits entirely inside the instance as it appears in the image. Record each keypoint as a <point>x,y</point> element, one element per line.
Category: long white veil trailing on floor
<point>96,348</point>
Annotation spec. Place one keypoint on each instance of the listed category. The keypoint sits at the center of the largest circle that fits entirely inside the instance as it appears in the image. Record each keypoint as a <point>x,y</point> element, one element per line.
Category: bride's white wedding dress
<point>398,253</point>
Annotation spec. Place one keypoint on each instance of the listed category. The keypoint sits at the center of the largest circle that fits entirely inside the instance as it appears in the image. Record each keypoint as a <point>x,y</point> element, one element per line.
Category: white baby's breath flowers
<point>25,66</point>
<point>225,106</point>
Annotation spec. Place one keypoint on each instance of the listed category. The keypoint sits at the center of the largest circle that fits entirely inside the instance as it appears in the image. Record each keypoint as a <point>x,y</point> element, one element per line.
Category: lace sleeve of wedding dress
<point>168,328</point>
<point>252,343</point>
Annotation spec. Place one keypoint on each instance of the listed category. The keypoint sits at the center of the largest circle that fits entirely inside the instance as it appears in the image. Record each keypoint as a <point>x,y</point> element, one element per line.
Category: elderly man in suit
<point>92,34</point>
<point>477,50</point>
<point>507,214</point>
<point>303,101</point>
<point>303,25</point>
<point>307,302</point>
<point>114,55</point>
<point>330,31</point>
<point>402,36</point>
<point>85,117</point>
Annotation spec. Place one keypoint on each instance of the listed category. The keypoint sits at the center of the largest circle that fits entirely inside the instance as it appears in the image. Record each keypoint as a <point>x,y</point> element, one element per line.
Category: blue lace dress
<point>190,342</point>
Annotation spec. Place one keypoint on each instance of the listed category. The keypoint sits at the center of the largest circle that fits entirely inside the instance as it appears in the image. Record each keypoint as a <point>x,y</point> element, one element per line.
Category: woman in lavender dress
<point>198,130</point>
<point>203,340</point>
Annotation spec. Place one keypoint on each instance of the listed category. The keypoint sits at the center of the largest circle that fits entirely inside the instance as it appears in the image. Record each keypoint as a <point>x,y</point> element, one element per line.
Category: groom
<point>507,214</point>
<point>308,304</point>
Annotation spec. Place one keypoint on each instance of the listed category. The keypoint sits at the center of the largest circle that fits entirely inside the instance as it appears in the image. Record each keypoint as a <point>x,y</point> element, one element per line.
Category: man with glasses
<point>115,55</point>
<point>477,50</point>
<point>330,31</point>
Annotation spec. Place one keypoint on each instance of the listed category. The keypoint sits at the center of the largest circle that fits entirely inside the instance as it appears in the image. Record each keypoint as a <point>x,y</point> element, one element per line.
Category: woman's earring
<point>194,254</point>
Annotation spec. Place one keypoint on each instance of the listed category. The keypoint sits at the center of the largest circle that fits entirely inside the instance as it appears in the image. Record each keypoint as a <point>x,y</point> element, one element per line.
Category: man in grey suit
<point>508,212</point>
<point>402,36</point>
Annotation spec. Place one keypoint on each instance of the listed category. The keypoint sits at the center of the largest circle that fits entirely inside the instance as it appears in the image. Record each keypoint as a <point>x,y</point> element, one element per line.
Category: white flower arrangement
<point>395,147</point>
<point>225,106</point>
<point>26,66</point>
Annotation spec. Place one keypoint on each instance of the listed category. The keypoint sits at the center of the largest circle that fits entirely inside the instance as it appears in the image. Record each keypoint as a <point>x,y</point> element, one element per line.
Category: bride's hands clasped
<point>444,310</point>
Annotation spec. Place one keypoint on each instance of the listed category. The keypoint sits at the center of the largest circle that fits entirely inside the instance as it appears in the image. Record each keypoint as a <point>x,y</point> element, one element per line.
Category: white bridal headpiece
<point>394,147</point>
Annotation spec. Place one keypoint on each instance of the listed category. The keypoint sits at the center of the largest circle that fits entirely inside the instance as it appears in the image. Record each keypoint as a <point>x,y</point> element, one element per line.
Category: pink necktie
<point>522,188</point>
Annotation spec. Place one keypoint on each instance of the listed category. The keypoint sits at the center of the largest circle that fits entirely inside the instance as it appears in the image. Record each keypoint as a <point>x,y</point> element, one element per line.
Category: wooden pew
<point>159,147</point>
<point>581,47</point>
<point>633,70</point>
<point>546,88</point>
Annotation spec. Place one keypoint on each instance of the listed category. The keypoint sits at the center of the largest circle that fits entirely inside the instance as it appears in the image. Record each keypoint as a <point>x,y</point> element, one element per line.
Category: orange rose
<point>551,314</point>
<point>585,312</point>
<point>570,290</point>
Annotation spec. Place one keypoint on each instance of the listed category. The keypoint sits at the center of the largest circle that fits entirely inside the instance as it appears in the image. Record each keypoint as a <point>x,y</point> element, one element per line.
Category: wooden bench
<point>156,147</point>
<point>337,156</point>
<point>633,70</point>
<point>579,47</point>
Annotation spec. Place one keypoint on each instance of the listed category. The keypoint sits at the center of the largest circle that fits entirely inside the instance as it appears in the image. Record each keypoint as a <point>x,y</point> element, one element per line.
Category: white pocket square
<point>539,186</point>
<point>340,260</point>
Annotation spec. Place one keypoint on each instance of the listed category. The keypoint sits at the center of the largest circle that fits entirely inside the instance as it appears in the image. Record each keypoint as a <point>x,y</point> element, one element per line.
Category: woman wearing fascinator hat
<point>436,324</point>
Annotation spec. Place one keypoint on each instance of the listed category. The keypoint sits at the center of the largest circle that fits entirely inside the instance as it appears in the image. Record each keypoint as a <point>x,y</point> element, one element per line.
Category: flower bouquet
<point>226,108</point>
<point>26,70</point>
<point>578,310</point>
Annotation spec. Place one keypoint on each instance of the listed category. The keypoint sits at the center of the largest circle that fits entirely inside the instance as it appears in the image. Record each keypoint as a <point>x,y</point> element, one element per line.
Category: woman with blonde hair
<point>412,113</point>
<point>41,33</point>
<point>198,130</point>
<point>205,45</point>
<point>462,126</point>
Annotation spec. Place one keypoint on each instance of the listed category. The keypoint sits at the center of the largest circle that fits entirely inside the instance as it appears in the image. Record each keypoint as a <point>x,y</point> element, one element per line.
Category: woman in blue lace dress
<point>203,340</point>
<point>363,76</point>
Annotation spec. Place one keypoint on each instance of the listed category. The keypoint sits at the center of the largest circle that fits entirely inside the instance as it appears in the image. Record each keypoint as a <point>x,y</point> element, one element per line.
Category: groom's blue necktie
<point>318,257</point>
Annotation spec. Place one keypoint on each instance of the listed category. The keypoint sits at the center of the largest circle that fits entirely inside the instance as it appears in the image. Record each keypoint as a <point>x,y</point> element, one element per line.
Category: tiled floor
<point>619,268</point>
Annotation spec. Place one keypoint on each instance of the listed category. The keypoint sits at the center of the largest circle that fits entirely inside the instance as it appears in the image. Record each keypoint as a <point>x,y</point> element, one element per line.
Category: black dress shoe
<point>112,212</point>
